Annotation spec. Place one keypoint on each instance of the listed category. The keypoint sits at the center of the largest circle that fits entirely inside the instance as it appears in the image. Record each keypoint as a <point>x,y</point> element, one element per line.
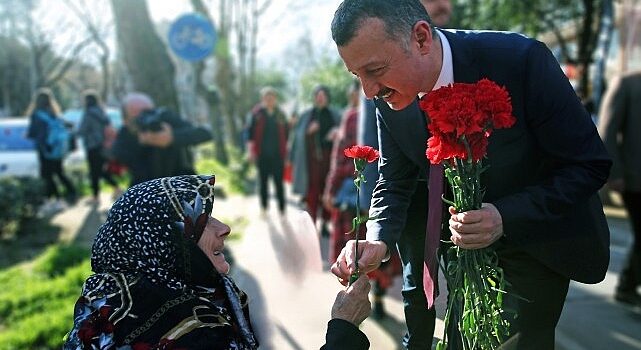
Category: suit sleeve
<point>393,191</point>
<point>185,134</point>
<point>612,119</point>
<point>342,335</point>
<point>569,144</point>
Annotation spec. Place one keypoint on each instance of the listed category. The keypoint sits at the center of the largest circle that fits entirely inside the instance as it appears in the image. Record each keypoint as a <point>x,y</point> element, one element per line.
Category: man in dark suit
<point>420,319</point>
<point>542,214</point>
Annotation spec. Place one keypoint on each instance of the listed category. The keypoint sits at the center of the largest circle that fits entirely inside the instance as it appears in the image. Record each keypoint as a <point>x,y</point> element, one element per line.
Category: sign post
<point>192,37</point>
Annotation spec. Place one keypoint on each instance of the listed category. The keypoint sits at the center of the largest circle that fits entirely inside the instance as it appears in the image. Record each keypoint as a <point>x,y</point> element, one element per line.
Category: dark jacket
<point>147,162</point>
<point>342,335</point>
<point>544,172</point>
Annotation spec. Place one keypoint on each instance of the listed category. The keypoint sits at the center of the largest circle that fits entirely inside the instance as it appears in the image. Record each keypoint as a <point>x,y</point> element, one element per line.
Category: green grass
<point>37,299</point>
<point>231,178</point>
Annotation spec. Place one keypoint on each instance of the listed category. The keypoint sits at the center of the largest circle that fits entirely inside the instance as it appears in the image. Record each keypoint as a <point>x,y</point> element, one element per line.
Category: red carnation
<point>465,113</point>
<point>367,153</point>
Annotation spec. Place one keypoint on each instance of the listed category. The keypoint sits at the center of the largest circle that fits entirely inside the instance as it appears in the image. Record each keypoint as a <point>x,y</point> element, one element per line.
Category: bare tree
<point>211,96</point>
<point>145,55</point>
<point>49,67</point>
<point>92,17</point>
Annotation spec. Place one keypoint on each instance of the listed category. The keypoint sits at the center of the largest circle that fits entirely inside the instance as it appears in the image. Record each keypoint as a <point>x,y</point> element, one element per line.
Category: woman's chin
<point>220,264</point>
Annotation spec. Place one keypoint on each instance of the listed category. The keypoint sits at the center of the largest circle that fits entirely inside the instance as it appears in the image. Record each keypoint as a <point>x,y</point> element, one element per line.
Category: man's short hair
<point>399,17</point>
<point>138,97</point>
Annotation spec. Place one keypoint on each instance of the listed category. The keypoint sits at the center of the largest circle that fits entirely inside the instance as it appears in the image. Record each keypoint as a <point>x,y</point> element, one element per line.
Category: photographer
<point>154,142</point>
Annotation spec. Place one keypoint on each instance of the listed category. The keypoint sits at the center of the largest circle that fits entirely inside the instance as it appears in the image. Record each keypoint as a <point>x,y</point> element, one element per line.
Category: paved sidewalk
<point>278,262</point>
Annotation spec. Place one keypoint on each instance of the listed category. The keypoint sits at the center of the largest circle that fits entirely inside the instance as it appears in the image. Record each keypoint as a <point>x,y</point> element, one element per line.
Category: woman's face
<point>212,242</point>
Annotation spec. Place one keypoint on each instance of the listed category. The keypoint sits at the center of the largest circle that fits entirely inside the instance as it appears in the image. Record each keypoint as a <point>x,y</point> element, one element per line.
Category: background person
<point>53,139</point>
<point>619,125</point>
<point>267,146</point>
<point>155,142</point>
<point>310,153</point>
<point>93,127</point>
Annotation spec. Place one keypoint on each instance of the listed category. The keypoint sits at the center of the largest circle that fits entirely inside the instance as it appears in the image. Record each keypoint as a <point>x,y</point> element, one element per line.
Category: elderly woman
<point>160,278</point>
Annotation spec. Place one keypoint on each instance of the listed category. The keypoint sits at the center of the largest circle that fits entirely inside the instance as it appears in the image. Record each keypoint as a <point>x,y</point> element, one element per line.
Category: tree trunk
<point>145,55</point>
<point>211,97</point>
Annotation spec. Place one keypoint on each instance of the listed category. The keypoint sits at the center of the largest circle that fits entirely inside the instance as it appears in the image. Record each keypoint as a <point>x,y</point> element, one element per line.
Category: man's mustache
<point>382,92</point>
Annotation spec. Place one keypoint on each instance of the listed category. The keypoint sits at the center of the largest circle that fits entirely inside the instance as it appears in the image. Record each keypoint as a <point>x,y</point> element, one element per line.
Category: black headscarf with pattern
<point>145,257</point>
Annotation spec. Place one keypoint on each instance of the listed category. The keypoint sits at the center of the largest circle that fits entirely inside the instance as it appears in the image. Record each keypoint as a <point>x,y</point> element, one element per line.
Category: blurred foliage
<point>15,87</point>
<point>331,73</point>
<point>535,17</point>
<point>36,302</point>
<point>20,198</point>
<point>531,17</point>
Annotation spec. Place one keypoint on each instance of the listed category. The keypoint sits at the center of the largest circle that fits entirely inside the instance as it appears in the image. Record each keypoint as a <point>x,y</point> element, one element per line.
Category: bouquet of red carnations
<point>461,119</point>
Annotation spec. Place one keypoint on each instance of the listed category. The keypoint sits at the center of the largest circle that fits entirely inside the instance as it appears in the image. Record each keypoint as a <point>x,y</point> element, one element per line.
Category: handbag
<point>346,195</point>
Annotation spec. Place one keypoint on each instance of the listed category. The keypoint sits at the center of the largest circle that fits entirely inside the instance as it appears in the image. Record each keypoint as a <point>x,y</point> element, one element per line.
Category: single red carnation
<point>368,153</point>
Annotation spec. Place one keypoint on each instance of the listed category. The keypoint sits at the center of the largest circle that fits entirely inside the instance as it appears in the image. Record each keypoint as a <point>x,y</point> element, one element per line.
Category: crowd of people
<point>541,212</point>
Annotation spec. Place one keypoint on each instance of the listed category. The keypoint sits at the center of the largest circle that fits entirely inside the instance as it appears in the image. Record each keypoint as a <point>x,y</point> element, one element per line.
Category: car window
<point>14,138</point>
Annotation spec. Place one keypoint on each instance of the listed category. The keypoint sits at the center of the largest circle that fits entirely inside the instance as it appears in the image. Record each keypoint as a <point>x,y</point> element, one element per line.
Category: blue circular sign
<point>192,37</point>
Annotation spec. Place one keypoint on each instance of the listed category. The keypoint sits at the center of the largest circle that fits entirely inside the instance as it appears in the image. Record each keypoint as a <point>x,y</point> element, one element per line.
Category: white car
<point>18,156</point>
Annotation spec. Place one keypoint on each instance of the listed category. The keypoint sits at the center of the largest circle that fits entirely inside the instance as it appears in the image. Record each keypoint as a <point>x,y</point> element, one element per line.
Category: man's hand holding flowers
<point>370,256</point>
<point>475,229</point>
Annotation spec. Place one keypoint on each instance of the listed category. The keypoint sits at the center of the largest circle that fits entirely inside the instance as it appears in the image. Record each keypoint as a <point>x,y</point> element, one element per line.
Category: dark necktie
<point>433,232</point>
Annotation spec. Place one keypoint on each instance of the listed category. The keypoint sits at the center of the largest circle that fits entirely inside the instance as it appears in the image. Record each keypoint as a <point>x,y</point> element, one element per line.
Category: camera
<point>149,120</point>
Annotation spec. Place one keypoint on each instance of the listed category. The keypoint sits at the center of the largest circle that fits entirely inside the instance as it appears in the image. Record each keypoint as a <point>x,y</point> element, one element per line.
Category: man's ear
<point>422,36</point>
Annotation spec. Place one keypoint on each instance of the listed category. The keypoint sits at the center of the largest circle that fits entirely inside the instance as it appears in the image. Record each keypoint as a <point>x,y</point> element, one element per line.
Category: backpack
<point>58,137</point>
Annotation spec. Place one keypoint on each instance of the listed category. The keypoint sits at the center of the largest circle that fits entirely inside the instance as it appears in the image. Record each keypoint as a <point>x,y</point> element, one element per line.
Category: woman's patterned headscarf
<point>151,235</point>
<point>140,233</point>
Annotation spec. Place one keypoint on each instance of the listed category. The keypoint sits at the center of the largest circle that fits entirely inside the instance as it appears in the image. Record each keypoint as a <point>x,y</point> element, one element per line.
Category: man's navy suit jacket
<point>544,172</point>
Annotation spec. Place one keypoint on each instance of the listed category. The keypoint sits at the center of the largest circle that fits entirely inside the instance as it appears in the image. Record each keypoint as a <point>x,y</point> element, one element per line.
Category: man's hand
<point>162,138</point>
<point>352,304</point>
<point>370,253</point>
<point>476,229</point>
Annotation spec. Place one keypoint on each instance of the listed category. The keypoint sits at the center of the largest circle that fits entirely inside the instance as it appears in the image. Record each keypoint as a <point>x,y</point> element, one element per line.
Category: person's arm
<point>390,201</point>
<point>611,121</point>
<point>37,131</point>
<point>184,133</point>
<point>569,143</point>
<point>393,190</point>
<point>341,167</point>
<point>125,148</point>
<point>350,309</point>
<point>252,152</point>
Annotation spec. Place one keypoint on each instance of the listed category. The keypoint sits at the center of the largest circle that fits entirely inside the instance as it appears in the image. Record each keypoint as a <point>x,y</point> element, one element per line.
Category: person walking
<point>93,128</point>
<point>619,125</point>
<point>52,138</point>
<point>310,152</point>
<point>267,146</point>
